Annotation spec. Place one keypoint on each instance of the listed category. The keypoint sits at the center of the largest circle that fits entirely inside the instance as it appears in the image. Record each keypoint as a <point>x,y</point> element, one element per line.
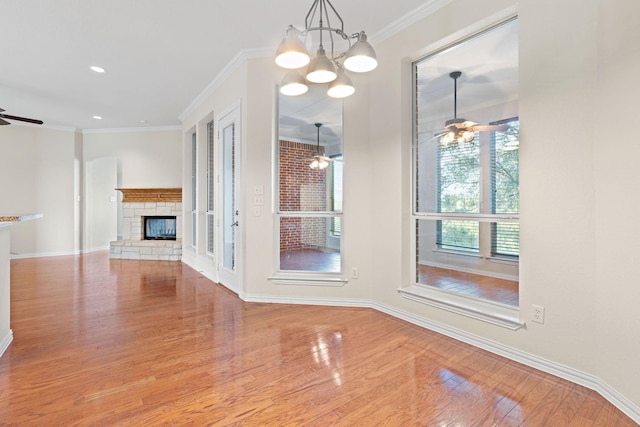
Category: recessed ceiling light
<point>97,117</point>
<point>144,121</point>
<point>97,69</point>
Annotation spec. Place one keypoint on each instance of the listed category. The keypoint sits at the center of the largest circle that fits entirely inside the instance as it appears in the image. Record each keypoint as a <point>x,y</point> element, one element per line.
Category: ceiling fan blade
<point>4,122</point>
<point>490,128</point>
<point>22,119</point>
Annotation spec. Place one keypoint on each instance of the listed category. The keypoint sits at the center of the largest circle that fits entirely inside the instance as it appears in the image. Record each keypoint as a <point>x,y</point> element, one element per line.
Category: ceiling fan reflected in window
<point>459,129</point>
<point>22,119</point>
<point>319,161</point>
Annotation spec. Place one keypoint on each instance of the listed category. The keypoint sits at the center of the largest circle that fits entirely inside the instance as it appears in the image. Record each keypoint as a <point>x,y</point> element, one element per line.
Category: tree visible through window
<point>505,188</point>
<point>458,190</point>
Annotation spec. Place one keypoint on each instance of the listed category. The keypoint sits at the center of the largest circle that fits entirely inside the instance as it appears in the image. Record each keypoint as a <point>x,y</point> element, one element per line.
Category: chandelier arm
<point>326,13</point>
<point>337,15</point>
<point>321,26</point>
<point>311,13</point>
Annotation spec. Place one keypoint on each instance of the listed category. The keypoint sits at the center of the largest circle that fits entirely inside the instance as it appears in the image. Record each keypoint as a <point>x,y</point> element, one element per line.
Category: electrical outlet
<point>354,273</point>
<point>537,313</point>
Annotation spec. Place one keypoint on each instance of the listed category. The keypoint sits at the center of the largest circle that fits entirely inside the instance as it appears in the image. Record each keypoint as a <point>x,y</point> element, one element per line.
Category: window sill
<point>503,260</point>
<point>479,309</point>
<point>308,279</point>
<point>460,253</point>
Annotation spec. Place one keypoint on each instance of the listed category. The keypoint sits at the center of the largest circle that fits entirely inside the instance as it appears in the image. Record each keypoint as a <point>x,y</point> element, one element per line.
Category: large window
<point>466,170</point>
<point>309,198</point>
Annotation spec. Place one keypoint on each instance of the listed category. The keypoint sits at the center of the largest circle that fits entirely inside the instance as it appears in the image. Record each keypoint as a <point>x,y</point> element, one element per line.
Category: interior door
<point>101,181</point>
<point>230,227</point>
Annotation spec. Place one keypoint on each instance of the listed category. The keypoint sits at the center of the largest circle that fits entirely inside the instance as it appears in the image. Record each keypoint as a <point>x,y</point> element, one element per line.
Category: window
<point>194,190</point>
<point>210,190</point>
<point>466,188</point>
<point>505,188</point>
<point>309,199</point>
<point>457,172</point>
<point>336,194</point>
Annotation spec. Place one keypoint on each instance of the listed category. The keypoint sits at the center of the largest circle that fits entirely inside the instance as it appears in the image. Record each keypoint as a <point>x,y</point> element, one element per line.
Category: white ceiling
<point>159,55</point>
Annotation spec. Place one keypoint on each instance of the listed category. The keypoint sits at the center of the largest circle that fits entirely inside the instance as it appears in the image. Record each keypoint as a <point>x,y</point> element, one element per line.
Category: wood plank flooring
<point>475,285</point>
<point>121,342</point>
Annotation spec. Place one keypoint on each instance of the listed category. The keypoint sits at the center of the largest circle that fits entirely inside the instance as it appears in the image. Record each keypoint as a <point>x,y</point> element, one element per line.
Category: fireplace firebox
<point>159,228</point>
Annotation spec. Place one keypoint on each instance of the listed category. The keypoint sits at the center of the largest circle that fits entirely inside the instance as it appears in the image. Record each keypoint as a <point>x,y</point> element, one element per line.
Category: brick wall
<point>301,189</point>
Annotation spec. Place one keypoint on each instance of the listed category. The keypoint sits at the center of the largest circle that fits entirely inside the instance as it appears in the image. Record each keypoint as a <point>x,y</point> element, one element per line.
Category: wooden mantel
<point>144,195</point>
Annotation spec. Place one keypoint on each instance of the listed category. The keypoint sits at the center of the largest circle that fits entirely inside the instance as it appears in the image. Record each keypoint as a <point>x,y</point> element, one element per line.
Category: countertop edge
<point>19,217</point>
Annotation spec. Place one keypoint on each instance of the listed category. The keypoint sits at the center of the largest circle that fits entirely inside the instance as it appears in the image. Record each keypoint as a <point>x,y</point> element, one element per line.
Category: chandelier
<point>329,68</point>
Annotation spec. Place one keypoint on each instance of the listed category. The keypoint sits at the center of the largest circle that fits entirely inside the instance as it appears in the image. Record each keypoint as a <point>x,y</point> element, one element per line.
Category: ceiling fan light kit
<point>462,130</point>
<point>292,53</point>
<point>319,161</point>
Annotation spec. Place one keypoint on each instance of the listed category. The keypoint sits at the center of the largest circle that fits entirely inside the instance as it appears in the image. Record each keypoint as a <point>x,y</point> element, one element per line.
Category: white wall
<point>38,174</point>
<point>578,68</point>
<point>41,171</point>
<point>6,335</point>
<point>144,159</point>
<point>616,178</point>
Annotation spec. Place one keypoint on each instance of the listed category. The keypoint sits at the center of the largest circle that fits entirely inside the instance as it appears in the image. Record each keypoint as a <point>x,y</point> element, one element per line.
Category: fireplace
<point>151,225</point>
<point>159,228</point>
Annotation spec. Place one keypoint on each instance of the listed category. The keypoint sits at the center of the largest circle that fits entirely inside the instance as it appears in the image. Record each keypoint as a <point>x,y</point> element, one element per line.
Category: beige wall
<point>6,335</point>
<point>39,175</point>
<point>578,64</point>
<point>145,158</point>
<point>41,171</point>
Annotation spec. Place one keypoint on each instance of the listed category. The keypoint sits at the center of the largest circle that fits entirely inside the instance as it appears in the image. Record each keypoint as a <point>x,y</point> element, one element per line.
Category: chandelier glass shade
<point>293,84</point>
<point>330,67</point>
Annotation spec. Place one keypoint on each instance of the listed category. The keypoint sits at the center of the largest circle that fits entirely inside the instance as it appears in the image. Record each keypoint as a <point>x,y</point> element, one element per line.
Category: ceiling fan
<point>319,161</point>
<point>22,119</point>
<point>459,129</point>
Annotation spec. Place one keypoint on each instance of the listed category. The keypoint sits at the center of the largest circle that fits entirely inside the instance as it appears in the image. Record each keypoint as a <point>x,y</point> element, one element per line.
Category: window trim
<point>469,306</point>
<point>299,277</point>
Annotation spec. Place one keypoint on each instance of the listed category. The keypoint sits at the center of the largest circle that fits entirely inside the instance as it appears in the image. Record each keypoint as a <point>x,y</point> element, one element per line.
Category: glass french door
<point>230,226</point>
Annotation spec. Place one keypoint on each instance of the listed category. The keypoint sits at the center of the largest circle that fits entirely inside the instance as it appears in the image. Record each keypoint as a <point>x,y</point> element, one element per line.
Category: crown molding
<point>241,57</point>
<point>407,20</point>
<point>134,129</point>
<point>235,63</point>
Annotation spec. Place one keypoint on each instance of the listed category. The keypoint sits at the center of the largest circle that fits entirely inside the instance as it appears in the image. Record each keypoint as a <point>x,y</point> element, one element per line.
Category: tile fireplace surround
<point>138,203</point>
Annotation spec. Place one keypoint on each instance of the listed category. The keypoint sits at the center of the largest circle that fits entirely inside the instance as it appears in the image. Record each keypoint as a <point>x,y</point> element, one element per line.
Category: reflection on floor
<point>310,260</point>
<point>106,342</point>
<point>491,288</point>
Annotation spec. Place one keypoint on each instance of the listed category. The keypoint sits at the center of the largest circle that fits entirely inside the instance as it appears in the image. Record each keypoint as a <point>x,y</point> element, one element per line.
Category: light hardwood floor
<point>121,342</point>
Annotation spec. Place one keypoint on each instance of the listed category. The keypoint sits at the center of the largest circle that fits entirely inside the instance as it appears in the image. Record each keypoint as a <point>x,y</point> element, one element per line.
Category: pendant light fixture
<point>325,67</point>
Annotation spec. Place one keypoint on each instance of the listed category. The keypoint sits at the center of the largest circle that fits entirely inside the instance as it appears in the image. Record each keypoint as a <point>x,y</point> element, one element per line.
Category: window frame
<point>462,304</point>
<point>211,187</point>
<point>300,277</point>
<point>194,190</point>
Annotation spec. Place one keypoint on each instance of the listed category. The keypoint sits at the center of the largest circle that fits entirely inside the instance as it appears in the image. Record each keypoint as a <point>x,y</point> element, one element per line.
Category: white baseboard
<point>41,254</point>
<point>587,380</point>
<point>4,344</point>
